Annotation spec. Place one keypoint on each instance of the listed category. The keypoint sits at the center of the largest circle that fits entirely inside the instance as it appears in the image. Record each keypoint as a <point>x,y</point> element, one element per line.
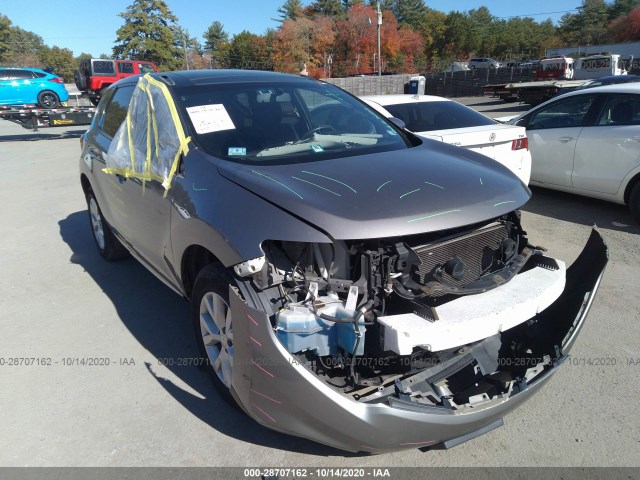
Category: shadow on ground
<point>160,321</point>
<point>581,210</point>
<point>42,135</point>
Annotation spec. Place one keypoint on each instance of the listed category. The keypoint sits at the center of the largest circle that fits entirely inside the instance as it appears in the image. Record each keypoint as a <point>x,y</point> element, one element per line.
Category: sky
<point>89,26</point>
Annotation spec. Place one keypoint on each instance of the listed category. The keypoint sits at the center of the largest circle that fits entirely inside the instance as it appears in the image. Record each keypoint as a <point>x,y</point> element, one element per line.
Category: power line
<point>538,14</point>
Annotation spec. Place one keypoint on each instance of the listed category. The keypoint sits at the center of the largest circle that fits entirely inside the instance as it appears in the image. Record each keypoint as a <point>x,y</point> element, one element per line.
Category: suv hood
<point>427,188</point>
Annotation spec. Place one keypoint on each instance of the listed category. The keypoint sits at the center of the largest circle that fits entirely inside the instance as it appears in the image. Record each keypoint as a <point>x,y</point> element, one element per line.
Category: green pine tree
<point>150,32</point>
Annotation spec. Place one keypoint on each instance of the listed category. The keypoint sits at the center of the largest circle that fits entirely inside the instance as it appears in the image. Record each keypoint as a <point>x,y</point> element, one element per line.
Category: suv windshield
<point>291,121</point>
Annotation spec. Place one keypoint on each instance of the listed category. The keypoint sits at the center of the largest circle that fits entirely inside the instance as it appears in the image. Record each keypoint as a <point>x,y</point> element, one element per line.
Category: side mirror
<point>398,123</point>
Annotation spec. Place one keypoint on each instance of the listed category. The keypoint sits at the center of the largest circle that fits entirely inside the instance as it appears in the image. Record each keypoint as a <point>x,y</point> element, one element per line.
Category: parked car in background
<point>491,63</point>
<point>457,67</point>
<point>96,74</point>
<point>446,120</point>
<point>20,86</point>
<point>588,142</point>
<point>351,282</point>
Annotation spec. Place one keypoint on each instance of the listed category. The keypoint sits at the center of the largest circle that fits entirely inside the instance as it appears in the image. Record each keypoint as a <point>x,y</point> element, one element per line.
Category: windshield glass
<point>429,116</point>
<point>287,121</point>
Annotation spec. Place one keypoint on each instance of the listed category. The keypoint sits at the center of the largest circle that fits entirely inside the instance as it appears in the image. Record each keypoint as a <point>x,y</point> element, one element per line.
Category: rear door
<point>553,131</point>
<point>609,149</point>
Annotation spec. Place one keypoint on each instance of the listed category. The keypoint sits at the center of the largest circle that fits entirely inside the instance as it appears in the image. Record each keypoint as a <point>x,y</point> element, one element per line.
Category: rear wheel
<point>109,247</point>
<point>48,99</point>
<point>634,202</point>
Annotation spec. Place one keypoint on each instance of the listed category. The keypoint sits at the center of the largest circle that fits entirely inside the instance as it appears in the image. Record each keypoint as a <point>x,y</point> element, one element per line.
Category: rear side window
<point>39,74</point>
<point>116,110</point>
<point>429,116</point>
<point>103,67</point>
<point>621,110</point>
<point>125,67</point>
<point>18,74</point>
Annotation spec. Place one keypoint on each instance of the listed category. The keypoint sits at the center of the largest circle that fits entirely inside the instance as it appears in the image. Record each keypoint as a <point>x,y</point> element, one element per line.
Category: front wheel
<point>634,202</point>
<point>48,99</point>
<point>109,247</point>
<point>213,325</point>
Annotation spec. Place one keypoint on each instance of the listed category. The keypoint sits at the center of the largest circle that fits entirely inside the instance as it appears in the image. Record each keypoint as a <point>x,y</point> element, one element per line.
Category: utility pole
<point>379,24</point>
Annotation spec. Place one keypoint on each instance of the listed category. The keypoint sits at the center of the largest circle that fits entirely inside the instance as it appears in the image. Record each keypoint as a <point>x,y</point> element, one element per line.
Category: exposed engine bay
<point>446,321</point>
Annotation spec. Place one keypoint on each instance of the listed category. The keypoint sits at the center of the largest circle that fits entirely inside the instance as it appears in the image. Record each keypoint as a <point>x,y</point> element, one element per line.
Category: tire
<point>634,202</point>
<point>109,247</point>
<point>213,326</point>
<point>48,99</point>
<point>80,80</point>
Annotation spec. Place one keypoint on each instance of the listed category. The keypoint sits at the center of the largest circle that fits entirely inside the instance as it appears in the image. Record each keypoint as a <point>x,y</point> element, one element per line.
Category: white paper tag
<point>210,118</point>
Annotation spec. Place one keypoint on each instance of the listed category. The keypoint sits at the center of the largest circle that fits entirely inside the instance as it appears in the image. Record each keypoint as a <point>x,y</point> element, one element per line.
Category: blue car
<point>19,86</point>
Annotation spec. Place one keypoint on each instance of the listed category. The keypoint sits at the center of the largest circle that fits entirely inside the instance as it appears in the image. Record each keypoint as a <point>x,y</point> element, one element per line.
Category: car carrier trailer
<point>33,117</point>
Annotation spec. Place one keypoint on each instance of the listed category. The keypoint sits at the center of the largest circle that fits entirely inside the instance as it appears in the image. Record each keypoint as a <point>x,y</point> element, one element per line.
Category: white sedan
<point>588,142</point>
<point>451,122</point>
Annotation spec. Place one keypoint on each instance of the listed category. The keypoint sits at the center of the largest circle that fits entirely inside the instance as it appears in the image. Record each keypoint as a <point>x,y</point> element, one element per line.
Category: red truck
<point>96,74</point>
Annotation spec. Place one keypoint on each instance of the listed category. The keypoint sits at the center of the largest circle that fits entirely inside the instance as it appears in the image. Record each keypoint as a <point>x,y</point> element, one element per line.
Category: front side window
<point>287,121</point>
<point>567,113</point>
<point>116,110</point>
<point>145,68</point>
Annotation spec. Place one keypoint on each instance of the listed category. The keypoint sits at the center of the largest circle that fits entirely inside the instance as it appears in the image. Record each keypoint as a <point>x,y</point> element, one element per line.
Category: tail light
<point>56,80</point>
<point>520,143</point>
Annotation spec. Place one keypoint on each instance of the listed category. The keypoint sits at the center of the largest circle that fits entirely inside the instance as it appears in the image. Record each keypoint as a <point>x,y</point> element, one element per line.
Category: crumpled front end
<point>387,351</point>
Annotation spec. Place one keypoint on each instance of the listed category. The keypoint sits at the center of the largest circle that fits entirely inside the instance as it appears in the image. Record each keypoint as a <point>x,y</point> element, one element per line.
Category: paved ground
<point>60,301</point>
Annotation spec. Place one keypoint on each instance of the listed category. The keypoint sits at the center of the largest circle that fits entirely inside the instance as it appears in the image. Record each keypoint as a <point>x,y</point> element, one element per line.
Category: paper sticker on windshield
<point>210,118</point>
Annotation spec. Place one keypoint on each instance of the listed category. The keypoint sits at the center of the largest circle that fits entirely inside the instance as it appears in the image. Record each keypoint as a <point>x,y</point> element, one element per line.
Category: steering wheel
<point>310,133</point>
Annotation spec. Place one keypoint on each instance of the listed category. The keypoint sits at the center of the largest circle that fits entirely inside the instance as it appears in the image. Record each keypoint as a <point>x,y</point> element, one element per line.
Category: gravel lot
<point>61,301</point>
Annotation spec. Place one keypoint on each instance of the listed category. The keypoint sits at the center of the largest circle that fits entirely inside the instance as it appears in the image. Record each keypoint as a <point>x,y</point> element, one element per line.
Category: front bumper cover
<point>278,392</point>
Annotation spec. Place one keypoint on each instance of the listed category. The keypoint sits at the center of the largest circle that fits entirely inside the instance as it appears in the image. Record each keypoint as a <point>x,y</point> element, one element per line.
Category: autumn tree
<point>627,28</point>
<point>621,8</point>
<point>150,32</point>
<point>304,42</point>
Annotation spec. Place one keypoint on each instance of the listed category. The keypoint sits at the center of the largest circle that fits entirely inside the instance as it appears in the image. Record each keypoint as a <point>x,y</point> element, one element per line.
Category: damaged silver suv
<point>350,282</point>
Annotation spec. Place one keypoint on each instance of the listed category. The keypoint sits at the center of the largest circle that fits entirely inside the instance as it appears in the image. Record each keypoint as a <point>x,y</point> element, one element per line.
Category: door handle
<point>565,139</point>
